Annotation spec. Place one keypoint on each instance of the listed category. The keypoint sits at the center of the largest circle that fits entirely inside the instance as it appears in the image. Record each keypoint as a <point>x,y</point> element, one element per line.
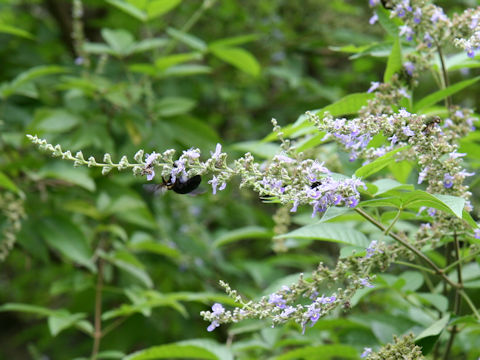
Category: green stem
<point>470,304</point>
<point>446,83</point>
<point>419,267</point>
<point>189,24</point>
<point>393,222</point>
<point>461,260</point>
<point>417,252</point>
<point>458,299</point>
<point>97,334</point>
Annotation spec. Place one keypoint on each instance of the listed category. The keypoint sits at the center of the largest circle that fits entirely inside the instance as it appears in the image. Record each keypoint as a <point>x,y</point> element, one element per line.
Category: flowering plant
<point>384,174</point>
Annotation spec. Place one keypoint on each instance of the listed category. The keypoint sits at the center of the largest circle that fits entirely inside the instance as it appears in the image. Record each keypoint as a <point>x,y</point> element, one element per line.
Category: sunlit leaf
<point>329,232</point>
<point>238,57</point>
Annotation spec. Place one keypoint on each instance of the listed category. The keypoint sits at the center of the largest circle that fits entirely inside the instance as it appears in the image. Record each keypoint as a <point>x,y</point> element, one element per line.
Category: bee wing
<point>197,191</point>
<point>156,189</point>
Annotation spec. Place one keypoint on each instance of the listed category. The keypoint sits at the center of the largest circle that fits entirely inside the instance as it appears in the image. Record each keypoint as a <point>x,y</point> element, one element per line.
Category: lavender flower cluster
<point>430,144</point>
<point>301,301</point>
<point>428,24</point>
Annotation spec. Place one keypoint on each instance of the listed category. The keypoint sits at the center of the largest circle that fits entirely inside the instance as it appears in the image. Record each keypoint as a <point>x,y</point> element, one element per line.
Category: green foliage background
<point>149,85</point>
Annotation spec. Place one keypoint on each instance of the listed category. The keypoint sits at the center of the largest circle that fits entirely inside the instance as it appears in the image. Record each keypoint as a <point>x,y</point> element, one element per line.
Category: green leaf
<point>97,48</point>
<point>442,94</point>
<point>394,61</point>
<point>248,232</point>
<point>264,150</point>
<point>450,204</point>
<point>142,241</point>
<point>54,121</point>
<point>129,9</point>
<point>186,70</point>
<point>62,171</point>
<point>110,354</point>
<point>320,352</point>
<point>378,164</point>
<point>61,234</point>
<point>27,308</point>
<point>172,106</point>
<point>193,132</point>
<point>413,280</point>
<point>63,320</point>
<point>384,185</point>
<point>437,300</point>
<point>130,265</point>
<point>8,29</point>
<point>120,41</point>
<point>147,45</point>
<point>143,307</point>
<point>329,232</point>
<point>310,142</point>
<point>400,170</point>
<point>156,8</point>
<point>238,57</point>
<point>236,40</point>
<point>333,212</point>
<point>383,202</point>
<point>7,89</point>
<point>172,351</point>
<point>165,62</point>
<point>428,337</point>
<point>347,105</point>
<point>8,184</point>
<point>188,39</point>
<point>386,22</point>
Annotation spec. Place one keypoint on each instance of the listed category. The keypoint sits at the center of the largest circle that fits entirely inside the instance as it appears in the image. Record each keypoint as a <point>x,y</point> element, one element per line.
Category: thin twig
<point>97,335</point>
<point>419,267</point>
<point>446,82</point>
<point>461,260</point>
<point>458,299</point>
<point>393,221</point>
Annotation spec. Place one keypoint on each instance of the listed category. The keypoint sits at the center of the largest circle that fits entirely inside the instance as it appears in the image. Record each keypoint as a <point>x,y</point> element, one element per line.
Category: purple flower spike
<point>277,300</point>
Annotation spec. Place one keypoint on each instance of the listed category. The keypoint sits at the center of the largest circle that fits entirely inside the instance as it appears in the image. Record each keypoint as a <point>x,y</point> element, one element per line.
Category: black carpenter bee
<point>181,185</point>
<point>430,124</point>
